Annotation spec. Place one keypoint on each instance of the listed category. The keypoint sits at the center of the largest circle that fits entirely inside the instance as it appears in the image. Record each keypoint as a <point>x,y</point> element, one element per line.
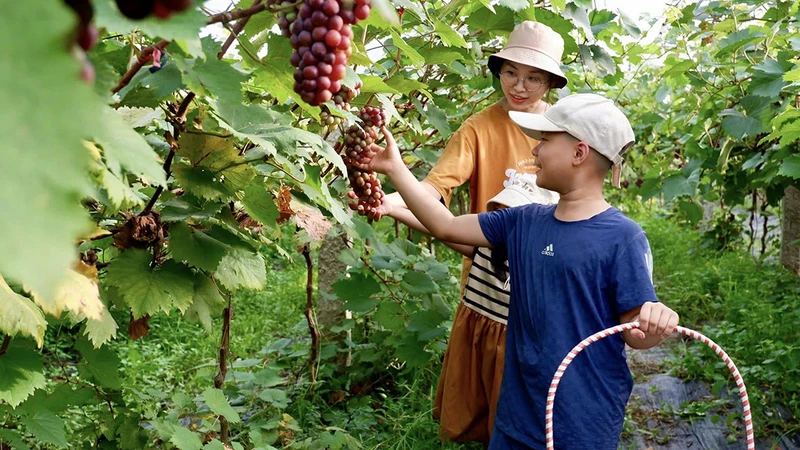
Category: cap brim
<point>534,124</point>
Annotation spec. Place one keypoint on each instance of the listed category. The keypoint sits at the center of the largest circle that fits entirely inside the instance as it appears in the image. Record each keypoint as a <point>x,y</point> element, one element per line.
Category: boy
<point>576,268</point>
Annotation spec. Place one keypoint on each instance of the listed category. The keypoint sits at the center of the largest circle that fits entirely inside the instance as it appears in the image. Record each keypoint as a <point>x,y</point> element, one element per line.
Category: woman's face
<point>523,86</point>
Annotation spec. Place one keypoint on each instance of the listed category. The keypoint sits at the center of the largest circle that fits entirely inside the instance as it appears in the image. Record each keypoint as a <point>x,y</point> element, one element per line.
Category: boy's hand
<point>655,319</point>
<point>385,159</point>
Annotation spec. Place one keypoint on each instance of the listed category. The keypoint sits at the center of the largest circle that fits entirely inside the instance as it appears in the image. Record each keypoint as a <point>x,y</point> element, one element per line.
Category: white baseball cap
<point>590,118</point>
<point>522,190</point>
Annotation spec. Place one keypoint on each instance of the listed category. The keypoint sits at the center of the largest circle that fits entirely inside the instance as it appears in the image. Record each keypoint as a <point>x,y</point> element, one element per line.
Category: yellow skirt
<point>466,398</point>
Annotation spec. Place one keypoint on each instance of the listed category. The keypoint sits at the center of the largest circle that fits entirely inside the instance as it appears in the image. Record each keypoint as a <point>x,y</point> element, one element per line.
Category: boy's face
<point>531,84</point>
<point>554,158</point>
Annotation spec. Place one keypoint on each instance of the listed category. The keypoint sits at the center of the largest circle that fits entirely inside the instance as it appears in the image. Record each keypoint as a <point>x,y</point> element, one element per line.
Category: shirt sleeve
<point>456,164</point>
<point>633,275</point>
<point>496,225</point>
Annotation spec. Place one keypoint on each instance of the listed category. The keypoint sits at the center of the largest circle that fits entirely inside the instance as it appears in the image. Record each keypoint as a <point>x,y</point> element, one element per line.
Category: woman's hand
<point>385,160</point>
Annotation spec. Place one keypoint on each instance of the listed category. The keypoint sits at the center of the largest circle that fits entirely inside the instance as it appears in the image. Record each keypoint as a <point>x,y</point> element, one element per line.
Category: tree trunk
<point>790,248</point>
<point>331,312</point>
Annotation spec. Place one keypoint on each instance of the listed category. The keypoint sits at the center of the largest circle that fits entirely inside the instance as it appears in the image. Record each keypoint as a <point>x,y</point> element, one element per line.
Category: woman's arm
<point>431,213</point>
<point>404,216</point>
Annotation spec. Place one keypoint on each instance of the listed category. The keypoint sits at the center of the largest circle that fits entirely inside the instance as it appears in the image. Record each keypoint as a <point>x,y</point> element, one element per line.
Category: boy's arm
<point>656,323</point>
<point>431,213</point>
<point>406,217</point>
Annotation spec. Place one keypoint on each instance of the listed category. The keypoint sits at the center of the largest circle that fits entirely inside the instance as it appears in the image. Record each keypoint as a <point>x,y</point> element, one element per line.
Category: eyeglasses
<point>510,79</point>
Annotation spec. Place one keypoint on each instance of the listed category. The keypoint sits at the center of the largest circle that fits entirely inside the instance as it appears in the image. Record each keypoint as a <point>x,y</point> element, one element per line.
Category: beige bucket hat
<point>533,44</point>
<point>522,190</point>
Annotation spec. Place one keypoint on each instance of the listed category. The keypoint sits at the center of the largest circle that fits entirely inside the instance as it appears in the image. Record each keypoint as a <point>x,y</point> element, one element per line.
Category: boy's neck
<point>581,204</point>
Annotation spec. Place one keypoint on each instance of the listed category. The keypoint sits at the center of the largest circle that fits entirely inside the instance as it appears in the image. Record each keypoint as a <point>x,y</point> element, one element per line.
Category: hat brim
<point>514,196</point>
<point>531,58</point>
<point>534,124</point>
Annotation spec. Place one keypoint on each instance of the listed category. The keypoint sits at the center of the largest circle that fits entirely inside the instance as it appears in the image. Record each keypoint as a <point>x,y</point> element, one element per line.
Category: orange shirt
<point>488,150</point>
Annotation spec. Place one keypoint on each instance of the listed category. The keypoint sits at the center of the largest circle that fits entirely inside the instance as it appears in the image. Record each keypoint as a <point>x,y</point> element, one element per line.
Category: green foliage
<point>748,308</point>
<point>176,181</point>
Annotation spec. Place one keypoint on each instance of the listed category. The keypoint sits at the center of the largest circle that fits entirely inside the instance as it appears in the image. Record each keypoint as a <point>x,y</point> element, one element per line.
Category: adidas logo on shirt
<point>548,251</point>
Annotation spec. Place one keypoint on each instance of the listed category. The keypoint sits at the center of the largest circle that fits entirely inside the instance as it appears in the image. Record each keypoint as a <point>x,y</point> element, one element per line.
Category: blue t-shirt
<point>569,280</point>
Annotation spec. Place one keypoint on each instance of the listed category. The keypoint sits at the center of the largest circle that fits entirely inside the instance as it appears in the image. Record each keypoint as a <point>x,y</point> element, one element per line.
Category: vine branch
<point>309,312</point>
<point>239,13</point>
<point>235,32</point>
<point>141,60</point>
<point>6,343</point>
<point>178,125</point>
<point>219,379</point>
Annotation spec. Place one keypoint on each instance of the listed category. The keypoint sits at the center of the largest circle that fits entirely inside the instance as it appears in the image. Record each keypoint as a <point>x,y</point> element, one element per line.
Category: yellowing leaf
<point>101,331</point>
<point>19,315</point>
<point>75,293</point>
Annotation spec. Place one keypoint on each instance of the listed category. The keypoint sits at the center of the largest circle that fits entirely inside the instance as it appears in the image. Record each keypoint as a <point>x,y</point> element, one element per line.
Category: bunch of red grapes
<point>367,194</point>
<point>342,100</point>
<point>139,9</point>
<point>321,35</point>
<point>85,36</point>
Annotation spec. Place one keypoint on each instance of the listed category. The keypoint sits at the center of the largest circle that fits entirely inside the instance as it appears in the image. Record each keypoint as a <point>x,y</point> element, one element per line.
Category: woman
<point>490,152</point>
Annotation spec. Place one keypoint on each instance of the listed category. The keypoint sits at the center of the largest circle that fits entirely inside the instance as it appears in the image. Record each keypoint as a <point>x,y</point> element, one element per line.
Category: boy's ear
<point>581,153</point>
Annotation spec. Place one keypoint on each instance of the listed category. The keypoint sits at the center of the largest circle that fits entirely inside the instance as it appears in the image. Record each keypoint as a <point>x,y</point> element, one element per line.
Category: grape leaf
<point>405,85</point>
<point>217,402</point>
<point>768,78</point>
<point>435,116</point>
<point>275,75</point>
<point>739,126</point>
<point>426,325</point>
<point>124,148</point>
<point>149,290</point>
<point>276,136</point>
<point>43,175</point>
<point>47,427</point>
<point>240,268</point>
<point>188,207</point>
<point>76,293</point>
<point>408,51</point>
<point>100,331</point>
<point>102,365</point>
<point>13,438</point>
<point>412,351</point>
<point>418,283</point>
<point>185,439</point>
<point>195,247</point>
<point>20,374</point>
<point>219,79</point>
<point>451,37</point>
<point>206,302</point>
<point>357,290</point>
<point>390,315</point>
<point>120,195</point>
<point>791,167</point>
<point>259,205</point>
<point>375,84</point>
<point>19,315</point>
<point>212,167</point>
<point>501,21</point>
<point>215,444</point>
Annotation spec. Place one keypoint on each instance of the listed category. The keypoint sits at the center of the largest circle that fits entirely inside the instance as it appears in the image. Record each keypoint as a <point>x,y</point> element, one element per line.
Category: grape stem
<point>239,13</point>
<point>235,32</point>
<point>141,60</point>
